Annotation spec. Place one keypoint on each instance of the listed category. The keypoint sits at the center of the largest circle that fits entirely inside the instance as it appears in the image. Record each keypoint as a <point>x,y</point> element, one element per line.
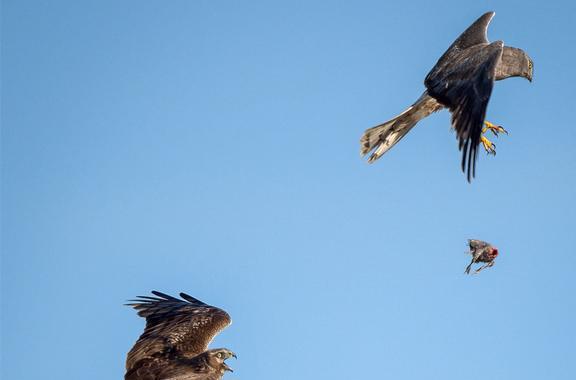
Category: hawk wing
<point>475,34</point>
<point>464,85</point>
<point>175,327</point>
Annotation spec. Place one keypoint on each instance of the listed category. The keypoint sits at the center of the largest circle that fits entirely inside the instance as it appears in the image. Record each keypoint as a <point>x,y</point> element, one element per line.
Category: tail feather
<point>381,138</point>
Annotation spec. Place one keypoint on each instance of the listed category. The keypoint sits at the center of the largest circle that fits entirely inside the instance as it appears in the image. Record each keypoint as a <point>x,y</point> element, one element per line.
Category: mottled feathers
<point>177,333</point>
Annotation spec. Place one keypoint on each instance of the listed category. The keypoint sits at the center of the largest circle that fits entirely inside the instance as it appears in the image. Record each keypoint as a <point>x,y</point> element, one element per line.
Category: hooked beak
<point>231,354</point>
<point>225,366</point>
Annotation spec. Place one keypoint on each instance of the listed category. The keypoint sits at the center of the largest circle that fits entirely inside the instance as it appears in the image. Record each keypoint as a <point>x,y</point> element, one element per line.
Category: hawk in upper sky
<point>461,81</point>
<point>174,345</point>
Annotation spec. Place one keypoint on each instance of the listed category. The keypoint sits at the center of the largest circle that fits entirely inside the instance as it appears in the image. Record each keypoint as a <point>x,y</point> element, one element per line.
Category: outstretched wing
<point>475,34</point>
<point>464,85</point>
<point>175,327</point>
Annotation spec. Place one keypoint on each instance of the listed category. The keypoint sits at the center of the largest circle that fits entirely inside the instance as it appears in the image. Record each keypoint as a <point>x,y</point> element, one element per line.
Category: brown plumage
<point>175,341</point>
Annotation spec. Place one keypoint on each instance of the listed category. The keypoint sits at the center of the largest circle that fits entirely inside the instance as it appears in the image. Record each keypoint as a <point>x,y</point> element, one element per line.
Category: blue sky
<point>212,148</point>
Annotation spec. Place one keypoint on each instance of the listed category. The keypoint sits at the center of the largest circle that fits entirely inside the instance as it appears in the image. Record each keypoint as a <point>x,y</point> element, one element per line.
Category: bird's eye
<point>219,355</point>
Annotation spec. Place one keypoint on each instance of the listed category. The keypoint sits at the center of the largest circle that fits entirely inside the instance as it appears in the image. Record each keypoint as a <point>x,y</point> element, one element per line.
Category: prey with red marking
<point>482,252</point>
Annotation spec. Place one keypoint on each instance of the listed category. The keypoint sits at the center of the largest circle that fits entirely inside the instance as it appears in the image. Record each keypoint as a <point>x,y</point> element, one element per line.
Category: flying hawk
<point>481,252</point>
<point>174,345</point>
<point>461,81</point>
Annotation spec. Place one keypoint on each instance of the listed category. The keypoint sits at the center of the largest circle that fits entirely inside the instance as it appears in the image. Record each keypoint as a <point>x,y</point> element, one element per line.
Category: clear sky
<point>212,147</point>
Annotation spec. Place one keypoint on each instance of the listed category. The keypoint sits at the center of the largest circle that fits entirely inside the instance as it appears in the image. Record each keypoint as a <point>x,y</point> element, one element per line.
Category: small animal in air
<point>482,252</point>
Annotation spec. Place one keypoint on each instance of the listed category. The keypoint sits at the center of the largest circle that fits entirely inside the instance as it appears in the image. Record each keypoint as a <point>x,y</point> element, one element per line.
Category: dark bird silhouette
<point>481,252</point>
<point>462,81</point>
<point>174,345</point>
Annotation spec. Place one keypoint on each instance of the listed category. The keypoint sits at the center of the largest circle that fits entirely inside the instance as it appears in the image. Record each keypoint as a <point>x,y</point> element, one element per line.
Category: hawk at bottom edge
<point>174,344</point>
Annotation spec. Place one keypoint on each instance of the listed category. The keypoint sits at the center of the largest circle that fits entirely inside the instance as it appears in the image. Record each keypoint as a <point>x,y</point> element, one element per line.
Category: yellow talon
<point>493,128</point>
<point>489,146</point>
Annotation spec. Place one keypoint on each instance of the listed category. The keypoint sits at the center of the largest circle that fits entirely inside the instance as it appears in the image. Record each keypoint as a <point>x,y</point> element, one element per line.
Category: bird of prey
<point>481,252</point>
<point>461,81</point>
<point>174,345</point>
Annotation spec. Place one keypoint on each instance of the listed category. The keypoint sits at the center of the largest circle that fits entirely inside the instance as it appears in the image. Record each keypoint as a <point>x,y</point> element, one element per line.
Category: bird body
<point>482,252</point>
<point>201,367</point>
<point>174,343</point>
<point>461,81</point>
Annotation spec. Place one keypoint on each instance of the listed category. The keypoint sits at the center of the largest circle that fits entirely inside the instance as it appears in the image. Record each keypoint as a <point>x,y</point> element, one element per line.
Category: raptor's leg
<point>489,146</point>
<point>493,128</point>
<point>484,267</point>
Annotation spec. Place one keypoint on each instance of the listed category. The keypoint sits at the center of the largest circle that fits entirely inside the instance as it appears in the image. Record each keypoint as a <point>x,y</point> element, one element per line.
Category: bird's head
<point>493,253</point>
<point>216,358</point>
<point>528,69</point>
<point>514,63</point>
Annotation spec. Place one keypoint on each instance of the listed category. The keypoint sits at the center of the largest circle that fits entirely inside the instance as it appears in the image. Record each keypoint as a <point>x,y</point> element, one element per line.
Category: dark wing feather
<point>175,327</point>
<point>464,85</point>
<point>475,34</point>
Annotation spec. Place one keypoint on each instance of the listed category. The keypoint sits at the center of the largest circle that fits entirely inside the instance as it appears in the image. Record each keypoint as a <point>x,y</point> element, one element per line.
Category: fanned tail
<point>381,138</point>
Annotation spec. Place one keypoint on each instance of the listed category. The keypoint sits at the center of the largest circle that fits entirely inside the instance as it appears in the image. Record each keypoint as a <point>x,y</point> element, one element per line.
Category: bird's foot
<point>489,146</point>
<point>495,129</point>
<point>489,265</point>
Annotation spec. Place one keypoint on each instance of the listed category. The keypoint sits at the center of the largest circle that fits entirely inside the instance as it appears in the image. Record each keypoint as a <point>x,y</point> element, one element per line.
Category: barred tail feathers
<point>381,138</point>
